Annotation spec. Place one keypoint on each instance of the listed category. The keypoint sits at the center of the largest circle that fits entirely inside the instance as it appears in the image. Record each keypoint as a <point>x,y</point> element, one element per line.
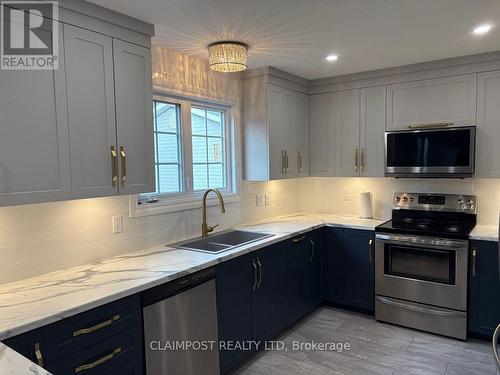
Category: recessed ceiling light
<point>332,58</point>
<point>482,29</point>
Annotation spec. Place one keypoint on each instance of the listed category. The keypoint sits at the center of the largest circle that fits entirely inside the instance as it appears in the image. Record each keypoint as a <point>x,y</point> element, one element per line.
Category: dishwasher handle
<point>171,288</point>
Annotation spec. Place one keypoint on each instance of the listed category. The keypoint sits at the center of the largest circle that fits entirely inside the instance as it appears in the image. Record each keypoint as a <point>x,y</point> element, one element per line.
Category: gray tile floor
<point>376,348</point>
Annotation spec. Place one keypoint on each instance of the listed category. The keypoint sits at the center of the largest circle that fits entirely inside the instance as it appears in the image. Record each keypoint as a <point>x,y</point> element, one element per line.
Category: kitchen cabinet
<point>438,100</point>
<point>103,340</point>
<point>359,132</point>
<point>275,131</point>
<point>249,301</point>
<point>34,147</point>
<point>349,268</point>
<point>315,269</point>
<point>484,288</point>
<point>321,135</point>
<point>62,128</point>
<point>488,125</point>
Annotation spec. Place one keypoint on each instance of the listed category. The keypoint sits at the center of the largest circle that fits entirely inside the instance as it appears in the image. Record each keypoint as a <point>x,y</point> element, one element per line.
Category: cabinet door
<point>321,130</point>
<point>347,133</point>
<point>296,258</point>
<point>449,99</point>
<point>333,266</point>
<point>291,133</point>
<point>372,131</point>
<point>91,112</point>
<point>235,280</point>
<point>34,147</point>
<point>303,145</point>
<point>315,269</point>
<point>484,301</point>
<point>269,294</point>
<point>276,123</point>
<point>359,274</point>
<point>488,122</point>
<point>134,117</point>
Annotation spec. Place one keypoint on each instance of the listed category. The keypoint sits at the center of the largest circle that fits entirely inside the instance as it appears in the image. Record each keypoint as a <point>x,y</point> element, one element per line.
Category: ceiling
<point>297,35</point>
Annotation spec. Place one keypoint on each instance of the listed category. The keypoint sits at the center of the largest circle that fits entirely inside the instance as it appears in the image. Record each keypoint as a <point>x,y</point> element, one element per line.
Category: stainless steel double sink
<point>221,242</point>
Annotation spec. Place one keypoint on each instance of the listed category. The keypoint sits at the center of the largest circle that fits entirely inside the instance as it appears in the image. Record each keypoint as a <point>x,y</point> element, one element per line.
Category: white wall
<point>341,195</point>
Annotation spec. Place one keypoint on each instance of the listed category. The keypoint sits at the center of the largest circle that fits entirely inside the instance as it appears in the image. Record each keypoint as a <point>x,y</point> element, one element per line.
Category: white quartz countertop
<point>13,363</point>
<point>41,300</point>
<point>483,232</point>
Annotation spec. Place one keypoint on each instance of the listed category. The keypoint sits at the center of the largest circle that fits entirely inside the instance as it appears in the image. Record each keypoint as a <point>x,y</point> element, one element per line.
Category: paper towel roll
<point>366,204</point>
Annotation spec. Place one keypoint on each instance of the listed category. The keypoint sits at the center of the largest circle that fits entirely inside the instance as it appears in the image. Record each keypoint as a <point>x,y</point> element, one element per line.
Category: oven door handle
<point>424,310</point>
<point>437,243</point>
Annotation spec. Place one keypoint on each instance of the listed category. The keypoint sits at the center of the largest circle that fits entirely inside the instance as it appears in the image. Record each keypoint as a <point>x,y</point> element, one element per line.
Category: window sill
<point>177,205</point>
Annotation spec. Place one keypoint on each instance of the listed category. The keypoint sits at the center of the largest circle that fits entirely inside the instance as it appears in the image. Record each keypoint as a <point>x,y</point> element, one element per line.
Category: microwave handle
<point>430,126</point>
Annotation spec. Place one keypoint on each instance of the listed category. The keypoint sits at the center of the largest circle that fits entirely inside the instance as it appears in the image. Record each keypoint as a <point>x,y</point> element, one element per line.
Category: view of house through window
<point>190,148</point>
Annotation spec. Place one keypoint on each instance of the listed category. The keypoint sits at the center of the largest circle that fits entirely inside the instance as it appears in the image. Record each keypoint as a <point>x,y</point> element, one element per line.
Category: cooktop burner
<point>432,215</point>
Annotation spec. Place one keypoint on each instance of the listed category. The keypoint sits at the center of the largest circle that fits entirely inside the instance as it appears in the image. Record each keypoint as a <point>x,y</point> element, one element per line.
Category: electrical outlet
<point>117,222</point>
<point>258,200</point>
<point>267,200</point>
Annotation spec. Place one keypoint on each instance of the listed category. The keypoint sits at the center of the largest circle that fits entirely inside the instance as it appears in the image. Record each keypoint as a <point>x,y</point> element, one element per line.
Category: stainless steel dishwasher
<point>180,326</point>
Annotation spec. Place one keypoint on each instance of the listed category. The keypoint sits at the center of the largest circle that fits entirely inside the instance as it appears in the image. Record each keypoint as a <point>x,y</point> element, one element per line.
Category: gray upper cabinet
<point>440,100</point>
<point>359,132</point>
<point>91,112</point>
<point>488,122</point>
<point>134,117</point>
<point>34,149</point>
<point>275,131</point>
<point>321,135</point>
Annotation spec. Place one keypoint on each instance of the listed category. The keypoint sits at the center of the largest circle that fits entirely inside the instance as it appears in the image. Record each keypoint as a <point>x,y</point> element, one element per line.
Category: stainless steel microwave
<point>432,152</point>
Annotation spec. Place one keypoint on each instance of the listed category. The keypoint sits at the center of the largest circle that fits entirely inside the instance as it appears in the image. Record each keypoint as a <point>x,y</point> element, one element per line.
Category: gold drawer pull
<point>114,166</point>
<point>123,156</point>
<point>98,362</point>
<point>38,355</point>
<point>97,327</point>
<point>299,239</point>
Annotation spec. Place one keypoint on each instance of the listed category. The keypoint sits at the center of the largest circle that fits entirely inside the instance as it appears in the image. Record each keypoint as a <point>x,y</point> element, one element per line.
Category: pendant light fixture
<point>227,56</point>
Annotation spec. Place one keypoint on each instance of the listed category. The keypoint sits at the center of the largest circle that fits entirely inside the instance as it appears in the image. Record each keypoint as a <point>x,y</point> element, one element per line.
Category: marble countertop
<point>41,300</point>
<point>13,363</point>
<point>483,232</point>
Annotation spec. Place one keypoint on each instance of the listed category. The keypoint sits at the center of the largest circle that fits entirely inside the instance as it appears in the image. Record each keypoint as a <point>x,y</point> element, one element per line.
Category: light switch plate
<point>267,200</point>
<point>117,222</point>
<point>258,200</point>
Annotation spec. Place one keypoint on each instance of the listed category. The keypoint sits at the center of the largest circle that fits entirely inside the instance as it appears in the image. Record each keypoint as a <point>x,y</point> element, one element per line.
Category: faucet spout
<point>205,228</point>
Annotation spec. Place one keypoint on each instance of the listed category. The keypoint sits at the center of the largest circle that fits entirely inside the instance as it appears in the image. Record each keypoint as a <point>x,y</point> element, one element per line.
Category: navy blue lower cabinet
<point>235,280</point>
<point>296,264</point>
<point>268,297</point>
<point>349,268</point>
<point>315,269</point>
<point>484,289</point>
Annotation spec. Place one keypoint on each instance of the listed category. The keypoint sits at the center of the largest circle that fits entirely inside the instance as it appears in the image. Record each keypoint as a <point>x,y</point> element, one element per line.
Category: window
<point>193,150</point>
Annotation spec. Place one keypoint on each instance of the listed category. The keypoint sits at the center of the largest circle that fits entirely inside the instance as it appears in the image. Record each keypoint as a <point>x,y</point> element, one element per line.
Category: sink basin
<point>221,242</point>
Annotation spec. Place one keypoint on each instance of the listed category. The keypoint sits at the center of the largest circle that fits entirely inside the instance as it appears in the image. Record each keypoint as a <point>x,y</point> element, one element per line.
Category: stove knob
<point>470,202</point>
<point>398,199</point>
<point>405,199</point>
<point>412,199</point>
<point>460,202</point>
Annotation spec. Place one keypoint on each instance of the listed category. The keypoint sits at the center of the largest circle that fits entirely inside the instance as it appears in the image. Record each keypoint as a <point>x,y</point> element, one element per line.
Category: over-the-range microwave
<point>439,152</point>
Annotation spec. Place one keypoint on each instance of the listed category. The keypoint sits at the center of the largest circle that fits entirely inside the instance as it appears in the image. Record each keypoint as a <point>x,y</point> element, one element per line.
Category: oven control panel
<point>435,202</point>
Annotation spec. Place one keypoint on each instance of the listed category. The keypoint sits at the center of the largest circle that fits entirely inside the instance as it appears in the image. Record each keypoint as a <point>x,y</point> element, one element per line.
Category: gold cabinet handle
<point>299,161</point>
<point>312,250</point>
<point>100,361</point>
<point>38,354</point>
<point>123,156</point>
<point>97,327</point>
<point>114,166</point>
<point>370,255</point>
<point>430,126</point>
<point>356,160</point>
<point>282,161</point>
<point>255,277</point>
<point>286,161</point>
<point>260,272</point>
<point>299,239</point>
<point>474,261</point>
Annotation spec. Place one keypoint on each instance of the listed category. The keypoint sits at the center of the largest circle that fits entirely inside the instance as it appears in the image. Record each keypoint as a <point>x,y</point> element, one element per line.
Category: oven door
<point>427,270</point>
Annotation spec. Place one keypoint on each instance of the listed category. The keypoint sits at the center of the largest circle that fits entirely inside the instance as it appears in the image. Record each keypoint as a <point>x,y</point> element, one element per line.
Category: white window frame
<point>189,199</point>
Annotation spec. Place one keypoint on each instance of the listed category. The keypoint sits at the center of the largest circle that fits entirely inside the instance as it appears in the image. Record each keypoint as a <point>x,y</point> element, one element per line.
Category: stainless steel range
<point>421,258</point>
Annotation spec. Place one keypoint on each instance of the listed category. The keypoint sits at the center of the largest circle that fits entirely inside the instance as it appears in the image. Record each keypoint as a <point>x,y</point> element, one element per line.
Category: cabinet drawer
<point>120,354</point>
<point>70,335</point>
